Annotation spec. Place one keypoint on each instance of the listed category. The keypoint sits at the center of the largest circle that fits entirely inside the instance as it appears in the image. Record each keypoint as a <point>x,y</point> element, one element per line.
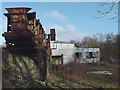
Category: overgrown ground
<point>76,77</point>
<point>21,72</point>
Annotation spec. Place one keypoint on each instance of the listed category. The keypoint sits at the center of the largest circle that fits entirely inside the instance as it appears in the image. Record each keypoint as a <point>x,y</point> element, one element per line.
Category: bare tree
<point>108,44</point>
<point>90,41</point>
<point>110,8</point>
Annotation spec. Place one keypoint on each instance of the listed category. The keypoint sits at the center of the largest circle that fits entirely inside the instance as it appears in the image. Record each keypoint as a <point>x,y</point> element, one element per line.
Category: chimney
<point>53,35</point>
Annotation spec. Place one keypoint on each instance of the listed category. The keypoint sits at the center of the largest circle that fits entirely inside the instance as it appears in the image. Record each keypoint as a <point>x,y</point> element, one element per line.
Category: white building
<point>63,53</point>
<point>87,55</point>
<point>65,50</point>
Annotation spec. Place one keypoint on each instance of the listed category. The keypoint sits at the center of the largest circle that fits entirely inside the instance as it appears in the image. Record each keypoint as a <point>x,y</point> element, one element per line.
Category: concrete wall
<point>69,53</point>
<point>85,57</point>
<point>63,48</point>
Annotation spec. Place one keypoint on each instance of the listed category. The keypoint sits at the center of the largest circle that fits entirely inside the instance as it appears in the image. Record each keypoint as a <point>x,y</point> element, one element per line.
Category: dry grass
<point>78,73</point>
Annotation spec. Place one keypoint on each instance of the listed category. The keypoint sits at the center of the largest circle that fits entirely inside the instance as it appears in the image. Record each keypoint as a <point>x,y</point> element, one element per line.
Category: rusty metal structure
<point>25,33</point>
<point>24,30</point>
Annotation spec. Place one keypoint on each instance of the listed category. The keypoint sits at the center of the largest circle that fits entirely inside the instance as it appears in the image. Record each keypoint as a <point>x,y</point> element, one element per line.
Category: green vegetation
<point>21,72</point>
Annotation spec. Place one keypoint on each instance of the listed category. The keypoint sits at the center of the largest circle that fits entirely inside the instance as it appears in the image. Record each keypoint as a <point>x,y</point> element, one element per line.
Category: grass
<point>80,79</point>
<point>98,83</point>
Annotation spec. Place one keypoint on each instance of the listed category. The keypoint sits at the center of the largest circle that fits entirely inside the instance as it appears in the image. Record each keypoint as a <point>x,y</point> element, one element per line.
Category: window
<point>91,54</point>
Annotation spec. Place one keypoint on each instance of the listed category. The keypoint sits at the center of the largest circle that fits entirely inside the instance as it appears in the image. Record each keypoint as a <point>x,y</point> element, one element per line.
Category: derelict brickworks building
<point>24,30</point>
<point>25,33</point>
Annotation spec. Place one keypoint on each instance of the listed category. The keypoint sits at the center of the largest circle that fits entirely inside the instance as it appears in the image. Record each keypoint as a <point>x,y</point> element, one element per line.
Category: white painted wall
<point>63,48</point>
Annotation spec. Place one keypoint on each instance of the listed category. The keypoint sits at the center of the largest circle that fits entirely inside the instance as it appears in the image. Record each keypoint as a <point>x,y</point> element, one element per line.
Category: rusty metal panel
<point>30,22</point>
<point>30,27</point>
<point>24,27</point>
<point>53,35</point>
<point>18,26</point>
<point>31,16</point>
<point>18,18</point>
<point>18,10</point>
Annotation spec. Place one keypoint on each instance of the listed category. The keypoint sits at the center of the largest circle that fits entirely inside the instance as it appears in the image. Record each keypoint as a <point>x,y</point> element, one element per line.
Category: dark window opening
<point>77,55</point>
<point>91,54</point>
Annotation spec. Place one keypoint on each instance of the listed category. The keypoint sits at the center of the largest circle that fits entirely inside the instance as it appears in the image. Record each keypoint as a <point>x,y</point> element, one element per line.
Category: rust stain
<point>23,26</point>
